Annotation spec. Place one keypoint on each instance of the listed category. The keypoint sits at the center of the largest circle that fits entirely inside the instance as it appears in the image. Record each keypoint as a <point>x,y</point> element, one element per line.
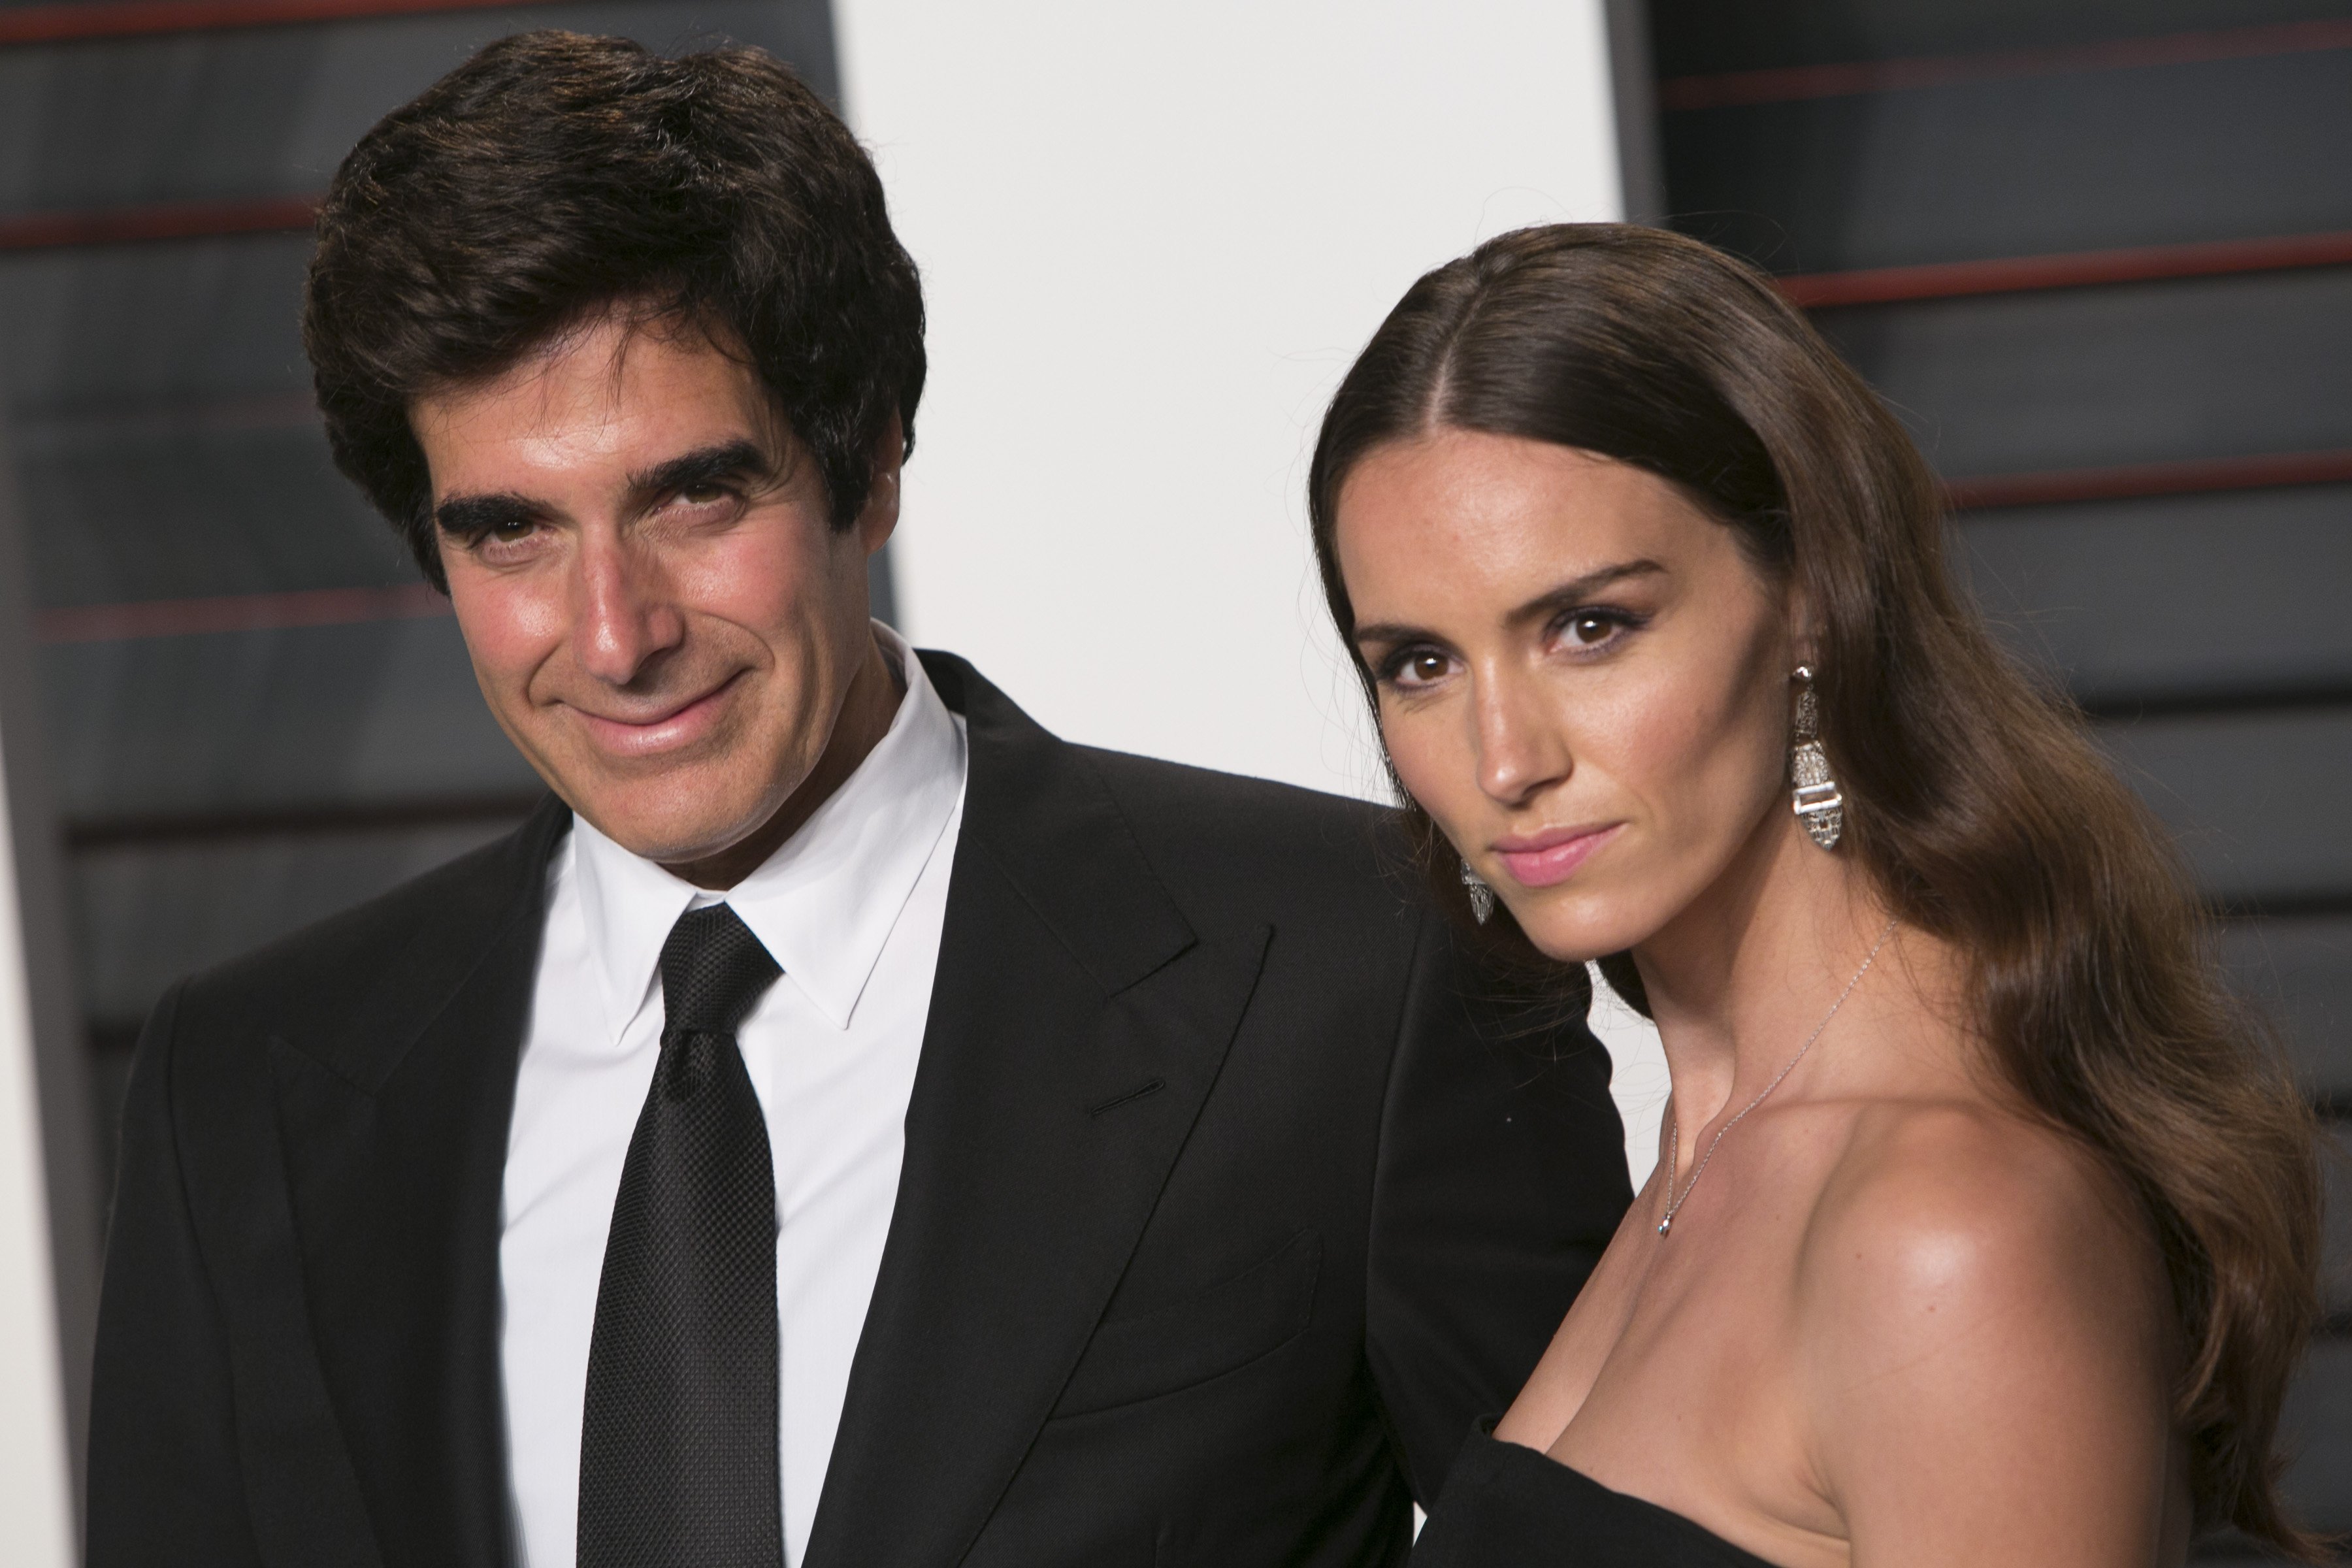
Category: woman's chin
<point>1567,936</point>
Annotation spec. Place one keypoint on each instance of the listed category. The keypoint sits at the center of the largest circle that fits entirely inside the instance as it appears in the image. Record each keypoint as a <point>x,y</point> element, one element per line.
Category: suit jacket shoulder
<point>382,969</point>
<point>1217,823</point>
<point>296,1351</point>
<point>1232,848</point>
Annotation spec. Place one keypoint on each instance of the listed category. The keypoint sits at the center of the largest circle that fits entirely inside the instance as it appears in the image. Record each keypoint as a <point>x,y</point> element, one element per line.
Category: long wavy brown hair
<point>1976,803</point>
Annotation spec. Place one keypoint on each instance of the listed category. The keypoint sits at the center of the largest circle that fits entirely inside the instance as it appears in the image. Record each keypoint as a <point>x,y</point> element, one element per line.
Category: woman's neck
<point>1743,975</point>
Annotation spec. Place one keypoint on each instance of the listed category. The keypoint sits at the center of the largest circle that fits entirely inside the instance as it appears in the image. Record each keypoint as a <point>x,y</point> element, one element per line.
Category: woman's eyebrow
<point>1565,597</point>
<point>1392,632</point>
<point>1576,590</point>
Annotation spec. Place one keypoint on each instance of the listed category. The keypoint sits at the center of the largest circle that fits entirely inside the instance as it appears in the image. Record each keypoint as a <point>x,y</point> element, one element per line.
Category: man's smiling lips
<point>665,731</point>
<point>1541,859</point>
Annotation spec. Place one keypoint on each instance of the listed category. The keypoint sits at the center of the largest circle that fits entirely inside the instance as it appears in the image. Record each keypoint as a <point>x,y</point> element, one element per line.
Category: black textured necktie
<point>678,1446</point>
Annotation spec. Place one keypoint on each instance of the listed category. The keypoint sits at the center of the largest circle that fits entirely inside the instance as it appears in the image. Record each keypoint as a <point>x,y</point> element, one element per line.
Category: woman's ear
<point>1804,628</point>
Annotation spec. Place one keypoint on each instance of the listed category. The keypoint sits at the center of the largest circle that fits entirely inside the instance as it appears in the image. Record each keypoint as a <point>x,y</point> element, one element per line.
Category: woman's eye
<point>1591,629</point>
<point>1422,667</point>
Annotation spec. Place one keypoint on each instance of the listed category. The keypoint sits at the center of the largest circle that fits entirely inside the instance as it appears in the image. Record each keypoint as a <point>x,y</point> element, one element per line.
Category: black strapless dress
<point>1505,1506</point>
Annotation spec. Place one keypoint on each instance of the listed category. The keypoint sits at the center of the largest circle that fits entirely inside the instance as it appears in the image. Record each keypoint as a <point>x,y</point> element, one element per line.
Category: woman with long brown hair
<point>1985,1222</point>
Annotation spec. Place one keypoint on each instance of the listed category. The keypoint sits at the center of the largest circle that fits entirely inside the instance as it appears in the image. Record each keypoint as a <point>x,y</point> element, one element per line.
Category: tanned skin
<point>1899,1323</point>
<point>659,611</point>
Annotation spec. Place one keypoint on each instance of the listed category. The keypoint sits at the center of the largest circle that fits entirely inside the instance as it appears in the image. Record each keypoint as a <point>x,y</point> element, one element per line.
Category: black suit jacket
<point>1222,1213</point>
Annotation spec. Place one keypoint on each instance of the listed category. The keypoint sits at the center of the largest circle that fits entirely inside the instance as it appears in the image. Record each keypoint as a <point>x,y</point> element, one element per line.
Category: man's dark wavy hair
<point>553,177</point>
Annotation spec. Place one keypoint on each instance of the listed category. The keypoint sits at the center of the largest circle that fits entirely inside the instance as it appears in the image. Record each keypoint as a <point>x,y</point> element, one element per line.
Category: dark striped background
<point>2099,255</point>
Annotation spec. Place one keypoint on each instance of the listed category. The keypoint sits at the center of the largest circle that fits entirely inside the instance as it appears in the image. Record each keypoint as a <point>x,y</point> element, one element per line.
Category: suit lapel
<point>1077,1023</point>
<point>395,1120</point>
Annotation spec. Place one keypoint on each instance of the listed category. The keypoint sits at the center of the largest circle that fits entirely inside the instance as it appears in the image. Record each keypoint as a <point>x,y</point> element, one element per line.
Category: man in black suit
<point>845,1125</point>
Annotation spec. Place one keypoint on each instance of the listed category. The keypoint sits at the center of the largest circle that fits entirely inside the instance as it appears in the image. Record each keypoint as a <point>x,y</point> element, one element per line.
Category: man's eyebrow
<point>737,459</point>
<point>471,517</point>
<point>1568,595</point>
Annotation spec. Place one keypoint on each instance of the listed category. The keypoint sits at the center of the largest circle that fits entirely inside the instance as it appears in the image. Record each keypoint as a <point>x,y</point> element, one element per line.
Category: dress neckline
<point>1511,1453</point>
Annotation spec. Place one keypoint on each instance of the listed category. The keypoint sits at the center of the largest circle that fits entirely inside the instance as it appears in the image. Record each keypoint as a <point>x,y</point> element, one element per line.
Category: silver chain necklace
<point>1673,1144</point>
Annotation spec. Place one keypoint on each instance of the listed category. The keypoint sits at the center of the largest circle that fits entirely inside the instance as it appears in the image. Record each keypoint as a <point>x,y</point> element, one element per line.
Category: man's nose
<point>627,615</point>
<point>1520,746</point>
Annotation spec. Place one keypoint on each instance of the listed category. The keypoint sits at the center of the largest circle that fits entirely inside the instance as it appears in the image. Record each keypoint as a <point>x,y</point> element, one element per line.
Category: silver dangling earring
<point>1482,896</point>
<point>1819,804</point>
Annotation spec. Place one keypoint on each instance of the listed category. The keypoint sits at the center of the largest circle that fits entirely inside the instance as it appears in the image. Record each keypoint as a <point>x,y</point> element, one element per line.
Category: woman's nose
<point>1520,746</point>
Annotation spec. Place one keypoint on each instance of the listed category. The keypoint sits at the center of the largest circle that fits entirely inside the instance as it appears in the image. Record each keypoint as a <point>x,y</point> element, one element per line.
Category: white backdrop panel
<point>33,1474</point>
<point>1152,238</point>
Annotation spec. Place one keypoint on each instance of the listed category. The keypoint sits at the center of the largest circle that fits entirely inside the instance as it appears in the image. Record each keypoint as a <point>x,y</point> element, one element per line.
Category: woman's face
<point>1582,677</point>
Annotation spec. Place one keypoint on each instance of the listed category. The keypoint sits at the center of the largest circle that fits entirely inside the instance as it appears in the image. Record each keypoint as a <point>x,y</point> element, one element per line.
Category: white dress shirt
<point>851,907</point>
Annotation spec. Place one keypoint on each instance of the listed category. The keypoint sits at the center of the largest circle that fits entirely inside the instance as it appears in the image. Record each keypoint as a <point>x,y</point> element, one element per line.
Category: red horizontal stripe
<point>87,19</point>
<point>1726,89</point>
<point>2149,480</point>
<point>2083,269</point>
<point>238,612</point>
<point>160,220</point>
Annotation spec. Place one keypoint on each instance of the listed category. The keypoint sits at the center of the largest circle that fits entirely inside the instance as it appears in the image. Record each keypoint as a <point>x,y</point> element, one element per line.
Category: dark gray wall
<point>2205,630</point>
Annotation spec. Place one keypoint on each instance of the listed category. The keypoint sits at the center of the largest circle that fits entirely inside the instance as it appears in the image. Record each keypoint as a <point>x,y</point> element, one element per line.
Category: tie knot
<point>713,971</point>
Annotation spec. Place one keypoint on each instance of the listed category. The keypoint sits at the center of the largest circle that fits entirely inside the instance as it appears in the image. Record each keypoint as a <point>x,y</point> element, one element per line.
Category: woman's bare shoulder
<point>1965,1265</point>
<point>1955,1204</point>
<point>1985,1340</point>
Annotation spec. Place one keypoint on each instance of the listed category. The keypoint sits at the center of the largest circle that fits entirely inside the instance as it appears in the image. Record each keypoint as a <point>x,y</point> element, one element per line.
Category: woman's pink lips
<point>1549,857</point>
<point>675,728</point>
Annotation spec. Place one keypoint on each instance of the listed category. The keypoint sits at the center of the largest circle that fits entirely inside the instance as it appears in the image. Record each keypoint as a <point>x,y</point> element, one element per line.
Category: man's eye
<point>703,495</point>
<point>505,531</point>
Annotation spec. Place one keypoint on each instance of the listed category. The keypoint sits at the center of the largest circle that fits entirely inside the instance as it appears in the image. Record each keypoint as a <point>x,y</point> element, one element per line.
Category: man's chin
<point>669,833</point>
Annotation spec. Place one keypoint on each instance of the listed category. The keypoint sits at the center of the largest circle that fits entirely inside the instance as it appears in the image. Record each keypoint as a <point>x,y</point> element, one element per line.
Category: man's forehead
<point>610,395</point>
<point>600,367</point>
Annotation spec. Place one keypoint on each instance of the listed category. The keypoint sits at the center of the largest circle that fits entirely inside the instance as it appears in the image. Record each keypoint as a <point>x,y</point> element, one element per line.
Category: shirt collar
<point>825,902</point>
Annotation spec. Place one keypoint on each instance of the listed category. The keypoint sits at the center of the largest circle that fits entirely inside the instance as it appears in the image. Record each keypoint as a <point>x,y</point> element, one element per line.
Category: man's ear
<point>879,516</point>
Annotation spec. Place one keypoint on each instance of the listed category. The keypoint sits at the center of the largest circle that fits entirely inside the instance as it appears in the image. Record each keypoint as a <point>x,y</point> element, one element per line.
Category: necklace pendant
<point>1665,1225</point>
